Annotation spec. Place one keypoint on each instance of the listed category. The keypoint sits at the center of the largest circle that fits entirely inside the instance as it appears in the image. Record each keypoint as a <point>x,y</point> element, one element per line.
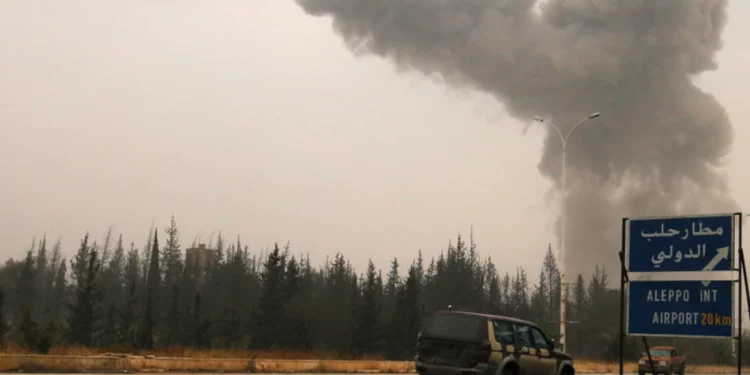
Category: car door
<point>527,357</point>
<point>504,336</point>
<point>677,360</point>
<point>547,364</point>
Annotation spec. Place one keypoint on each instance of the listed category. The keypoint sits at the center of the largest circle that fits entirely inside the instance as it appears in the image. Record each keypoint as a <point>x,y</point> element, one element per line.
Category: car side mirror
<point>552,343</point>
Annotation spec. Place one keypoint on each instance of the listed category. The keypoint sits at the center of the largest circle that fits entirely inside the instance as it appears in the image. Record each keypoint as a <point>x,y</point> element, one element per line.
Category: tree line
<point>110,295</point>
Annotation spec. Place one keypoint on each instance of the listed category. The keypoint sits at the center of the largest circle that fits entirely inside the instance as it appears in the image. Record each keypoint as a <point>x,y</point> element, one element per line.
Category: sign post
<point>680,278</point>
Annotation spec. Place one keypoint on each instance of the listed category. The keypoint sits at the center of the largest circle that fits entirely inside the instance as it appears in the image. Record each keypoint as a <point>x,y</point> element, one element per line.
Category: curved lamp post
<point>563,284</point>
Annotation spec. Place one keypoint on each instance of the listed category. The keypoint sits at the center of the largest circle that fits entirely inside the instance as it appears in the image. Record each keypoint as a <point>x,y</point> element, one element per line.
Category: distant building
<point>201,258</point>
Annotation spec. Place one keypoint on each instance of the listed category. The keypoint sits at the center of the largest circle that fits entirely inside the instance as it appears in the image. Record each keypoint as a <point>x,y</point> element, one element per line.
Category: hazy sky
<point>253,118</point>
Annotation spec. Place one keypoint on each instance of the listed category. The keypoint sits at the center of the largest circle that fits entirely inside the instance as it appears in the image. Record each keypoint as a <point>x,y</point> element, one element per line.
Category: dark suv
<point>464,343</point>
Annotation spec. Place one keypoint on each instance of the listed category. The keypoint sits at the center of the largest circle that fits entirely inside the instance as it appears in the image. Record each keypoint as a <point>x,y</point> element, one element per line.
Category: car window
<point>503,332</point>
<point>524,336</point>
<point>540,341</point>
<point>456,327</point>
<point>659,353</point>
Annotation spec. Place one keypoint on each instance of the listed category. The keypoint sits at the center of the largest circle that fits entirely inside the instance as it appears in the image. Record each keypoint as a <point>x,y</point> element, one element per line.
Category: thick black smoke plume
<point>656,148</point>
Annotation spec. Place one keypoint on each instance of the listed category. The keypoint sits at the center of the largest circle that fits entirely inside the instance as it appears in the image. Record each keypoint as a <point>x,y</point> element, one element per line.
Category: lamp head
<point>594,115</point>
<point>537,118</point>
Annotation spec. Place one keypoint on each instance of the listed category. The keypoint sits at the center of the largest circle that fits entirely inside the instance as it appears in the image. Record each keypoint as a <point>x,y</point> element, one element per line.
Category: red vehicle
<point>666,361</point>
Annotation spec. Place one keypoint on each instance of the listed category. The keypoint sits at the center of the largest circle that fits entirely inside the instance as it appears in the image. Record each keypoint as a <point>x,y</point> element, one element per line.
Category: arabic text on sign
<point>700,231</point>
<point>677,257</point>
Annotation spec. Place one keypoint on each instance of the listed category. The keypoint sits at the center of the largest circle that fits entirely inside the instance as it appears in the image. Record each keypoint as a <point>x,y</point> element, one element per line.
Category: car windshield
<point>660,353</point>
<point>456,327</point>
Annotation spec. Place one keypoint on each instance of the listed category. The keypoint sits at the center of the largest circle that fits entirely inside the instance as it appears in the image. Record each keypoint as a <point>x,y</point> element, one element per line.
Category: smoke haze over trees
<point>656,149</point>
<point>115,295</point>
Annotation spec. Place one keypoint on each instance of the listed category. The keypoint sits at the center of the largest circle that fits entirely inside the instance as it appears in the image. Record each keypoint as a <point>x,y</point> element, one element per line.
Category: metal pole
<point>621,349</point>
<point>623,280</point>
<point>564,219</point>
<point>563,253</point>
<point>648,351</point>
<point>739,302</point>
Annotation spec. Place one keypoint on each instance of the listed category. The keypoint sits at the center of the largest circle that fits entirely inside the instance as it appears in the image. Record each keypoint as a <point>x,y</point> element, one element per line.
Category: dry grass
<point>590,366</point>
<point>177,351</point>
<point>81,359</point>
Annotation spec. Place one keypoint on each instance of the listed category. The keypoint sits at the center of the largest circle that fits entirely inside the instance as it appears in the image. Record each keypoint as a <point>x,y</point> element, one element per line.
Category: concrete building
<point>200,257</point>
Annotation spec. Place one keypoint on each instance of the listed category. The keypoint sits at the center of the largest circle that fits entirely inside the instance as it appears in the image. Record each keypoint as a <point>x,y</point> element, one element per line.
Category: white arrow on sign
<point>722,253</point>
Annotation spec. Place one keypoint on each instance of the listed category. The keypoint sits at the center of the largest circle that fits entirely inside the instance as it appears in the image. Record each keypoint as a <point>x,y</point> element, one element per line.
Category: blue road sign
<point>681,308</point>
<point>680,244</point>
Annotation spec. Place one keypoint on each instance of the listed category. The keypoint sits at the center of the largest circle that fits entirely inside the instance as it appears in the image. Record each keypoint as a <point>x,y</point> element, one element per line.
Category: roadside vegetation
<point>116,297</point>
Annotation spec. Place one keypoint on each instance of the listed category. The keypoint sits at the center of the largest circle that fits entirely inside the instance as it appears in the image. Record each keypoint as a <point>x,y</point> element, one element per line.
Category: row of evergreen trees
<point>110,296</point>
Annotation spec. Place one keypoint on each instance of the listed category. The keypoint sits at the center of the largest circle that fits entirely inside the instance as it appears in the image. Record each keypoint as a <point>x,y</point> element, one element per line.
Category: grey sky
<point>252,118</point>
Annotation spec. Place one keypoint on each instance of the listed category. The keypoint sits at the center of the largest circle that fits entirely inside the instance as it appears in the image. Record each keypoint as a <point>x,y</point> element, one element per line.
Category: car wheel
<point>682,370</point>
<point>641,373</point>
<point>511,369</point>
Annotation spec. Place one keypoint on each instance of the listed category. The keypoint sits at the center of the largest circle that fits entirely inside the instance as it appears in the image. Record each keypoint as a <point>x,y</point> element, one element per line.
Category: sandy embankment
<point>131,363</point>
<point>109,363</point>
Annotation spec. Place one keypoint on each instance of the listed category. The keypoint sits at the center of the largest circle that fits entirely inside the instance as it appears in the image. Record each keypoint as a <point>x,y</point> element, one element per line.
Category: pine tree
<point>230,324</point>
<point>132,272</point>
<point>171,256</point>
<point>519,296</point>
<point>200,326</point>
<point>369,329</point>
<point>600,329</point>
<point>508,307</point>
<point>113,276</point>
<point>329,308</point>
<point>405,322</point>
<point>173,319</point>
<point>154,276</point>
<point>145,257</point>
<point>146,331</point>
<point>394,280</point>
<point>25,286</point>
<point>495,300</point>
<point>110,334</point>
<point>43,278</point>
<point>293,329</point>
<point>578,313</point>
<point>153,285</point>
<point>60,291</point>
<point>420,269</point>
<point>4,324</point>
<point>474,276</point>
<point>390,292</point>
<point>117,262</point>
<point>29,330</point>
<point>333,325</point>
<point>52,296</point>
<point>104,254</point>
<point>540,307</point>
<point>48,336</point>
<point>552,304</point>
<point>83,323</point>
<point>79,264</point>
<point>128,327</point>
<point>271,302</point>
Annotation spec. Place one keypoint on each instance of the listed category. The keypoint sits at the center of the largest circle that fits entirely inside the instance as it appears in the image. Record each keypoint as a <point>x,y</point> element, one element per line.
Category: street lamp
<point>563,291</point>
